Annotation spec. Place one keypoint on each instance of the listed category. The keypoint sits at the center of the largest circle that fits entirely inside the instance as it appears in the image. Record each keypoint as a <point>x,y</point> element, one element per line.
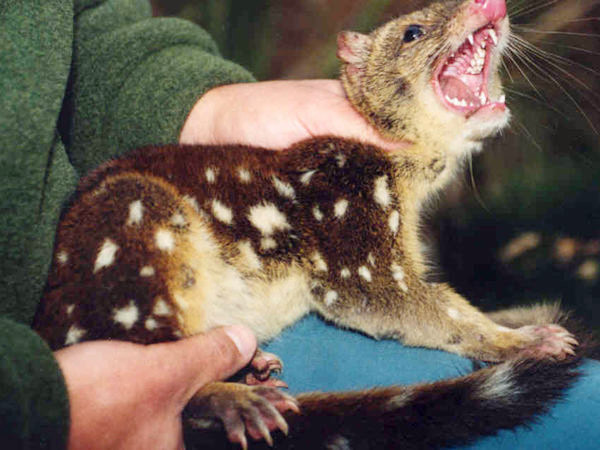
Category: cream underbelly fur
<point>225,294</point>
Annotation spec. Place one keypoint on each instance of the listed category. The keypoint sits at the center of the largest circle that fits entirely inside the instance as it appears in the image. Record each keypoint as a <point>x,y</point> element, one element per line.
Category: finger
<point>193,362</point>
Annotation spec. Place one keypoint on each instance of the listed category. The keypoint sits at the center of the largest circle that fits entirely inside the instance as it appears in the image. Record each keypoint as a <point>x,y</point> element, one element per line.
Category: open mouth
<point>461,80</point>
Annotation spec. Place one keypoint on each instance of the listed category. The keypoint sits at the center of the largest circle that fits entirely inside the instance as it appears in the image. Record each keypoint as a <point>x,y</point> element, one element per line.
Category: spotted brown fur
<point>170,241</point>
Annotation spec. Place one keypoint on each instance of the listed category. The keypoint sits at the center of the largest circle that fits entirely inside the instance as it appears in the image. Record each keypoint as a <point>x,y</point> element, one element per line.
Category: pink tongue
<point>455,88</point>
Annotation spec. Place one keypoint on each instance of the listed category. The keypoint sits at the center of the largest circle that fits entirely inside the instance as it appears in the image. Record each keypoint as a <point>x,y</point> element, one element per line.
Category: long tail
<point>445,413</point>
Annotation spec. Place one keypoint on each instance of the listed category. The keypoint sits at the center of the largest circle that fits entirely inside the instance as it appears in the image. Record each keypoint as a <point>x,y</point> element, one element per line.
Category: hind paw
<point>549,341</point>
<point>252,410</point>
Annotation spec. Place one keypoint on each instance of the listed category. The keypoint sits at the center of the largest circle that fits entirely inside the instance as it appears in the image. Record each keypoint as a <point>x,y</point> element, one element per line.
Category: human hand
<point>276,114</point>
<point>125,395</point>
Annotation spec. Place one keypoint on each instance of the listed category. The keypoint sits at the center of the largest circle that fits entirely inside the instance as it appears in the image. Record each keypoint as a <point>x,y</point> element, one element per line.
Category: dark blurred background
<point>523,225</point>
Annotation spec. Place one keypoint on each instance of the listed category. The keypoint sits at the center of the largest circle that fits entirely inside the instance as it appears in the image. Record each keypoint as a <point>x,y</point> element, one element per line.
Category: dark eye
<point>413,32</point>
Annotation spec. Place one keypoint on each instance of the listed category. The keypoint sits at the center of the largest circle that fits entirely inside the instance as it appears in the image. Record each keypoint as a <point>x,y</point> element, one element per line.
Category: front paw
<point>548,341</point>
<point>255,410</point>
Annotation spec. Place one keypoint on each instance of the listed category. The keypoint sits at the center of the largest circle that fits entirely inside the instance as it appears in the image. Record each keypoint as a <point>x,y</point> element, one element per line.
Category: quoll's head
<point>432,76</point>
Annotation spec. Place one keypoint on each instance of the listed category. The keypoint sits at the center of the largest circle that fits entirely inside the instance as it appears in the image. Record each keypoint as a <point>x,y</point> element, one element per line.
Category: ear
<point>353,48</point>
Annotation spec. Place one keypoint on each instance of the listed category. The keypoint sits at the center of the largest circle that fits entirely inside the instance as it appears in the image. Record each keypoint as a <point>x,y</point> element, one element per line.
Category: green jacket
<point>78,83</point>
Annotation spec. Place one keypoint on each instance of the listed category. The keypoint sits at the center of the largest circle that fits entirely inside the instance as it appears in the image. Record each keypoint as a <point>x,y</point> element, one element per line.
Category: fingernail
<point>243,338</point>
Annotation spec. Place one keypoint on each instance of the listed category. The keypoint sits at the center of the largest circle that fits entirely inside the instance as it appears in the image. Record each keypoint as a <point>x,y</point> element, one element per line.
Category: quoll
<point>173,240</point>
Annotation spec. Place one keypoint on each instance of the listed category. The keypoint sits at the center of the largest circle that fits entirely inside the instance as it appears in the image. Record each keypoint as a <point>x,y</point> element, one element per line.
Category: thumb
<point>198,360</point>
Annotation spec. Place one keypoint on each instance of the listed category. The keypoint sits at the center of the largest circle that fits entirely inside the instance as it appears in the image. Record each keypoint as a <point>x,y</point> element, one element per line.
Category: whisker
<point>561,33</point>
<point>554,61</point>
<point>476,192</point>
<point>520,53</point>
<point>535,99</point>
<point>510,55</point>
<point>528,135</point>
<point>528,9</point>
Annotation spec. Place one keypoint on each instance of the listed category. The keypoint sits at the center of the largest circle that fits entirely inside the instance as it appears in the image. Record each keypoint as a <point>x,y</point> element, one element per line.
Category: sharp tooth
<point>502,98</point>
<point>482,98</point>
<point>470,38</point>
<point>483,43</point>
<point>462,102</point>
<point>493,35</point>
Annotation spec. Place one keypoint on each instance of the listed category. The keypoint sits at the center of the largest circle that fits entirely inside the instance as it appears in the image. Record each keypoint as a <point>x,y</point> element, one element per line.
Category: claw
<point>240,438</point>
<point>282,424</point>
<point>570,351</point>
<point>264,432</point>
<point>293,405</point>
<point>572,341</point>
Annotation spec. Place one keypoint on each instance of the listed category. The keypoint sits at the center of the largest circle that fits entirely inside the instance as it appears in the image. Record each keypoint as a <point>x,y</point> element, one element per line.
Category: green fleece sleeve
<point>30,378</point>
<point>136,78</point>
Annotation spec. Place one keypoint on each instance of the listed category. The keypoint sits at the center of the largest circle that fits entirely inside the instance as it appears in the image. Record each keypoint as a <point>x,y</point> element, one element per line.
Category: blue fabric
<point>320,357</point>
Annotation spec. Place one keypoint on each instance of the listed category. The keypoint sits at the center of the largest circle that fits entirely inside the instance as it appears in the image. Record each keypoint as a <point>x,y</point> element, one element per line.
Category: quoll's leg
<point>241,409</point>
<point>483,338</point>
<point>434,316</point>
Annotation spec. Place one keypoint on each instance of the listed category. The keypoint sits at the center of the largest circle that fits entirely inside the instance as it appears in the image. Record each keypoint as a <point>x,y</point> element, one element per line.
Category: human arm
<point>276,114</point>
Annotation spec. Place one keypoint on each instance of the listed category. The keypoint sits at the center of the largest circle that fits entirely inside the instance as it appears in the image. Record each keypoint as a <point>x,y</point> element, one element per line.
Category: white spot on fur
<point>178,220</point>
<point>74,335</point>
<point>499,385</point>
<point>398,275</point>
<point>399,400</point>
<point>341,159</point>
<point>151,324</point>
<point>371,259</point>
<point>397,272</point>
<point>161,308</point>
<point>381,192</point>
<point>340,208</point>
<point>453,313</point>
<point>338,442</point>
<point>319,263</point>
<point>211,175</point>
<point>106,255</point>
<point>203,424</point>
<point>268,243</point>
<point>147,271</point>
<point>284,189</point>
<point>136,213</point>
<point>126,316</point>
<point>62,257</point>
<point>317,213</point>
<point>249,257</point>
<point>192,202</point>
<point>244,175</point>
<point>306,176</point>
<point>365,273</point>
<point>267,218</point>
<point>164,240</point>
<point>394,221</point>
<point>345,273</point>
<point>222,212</point>
<point>70,309</point>
<point>331,297</point>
